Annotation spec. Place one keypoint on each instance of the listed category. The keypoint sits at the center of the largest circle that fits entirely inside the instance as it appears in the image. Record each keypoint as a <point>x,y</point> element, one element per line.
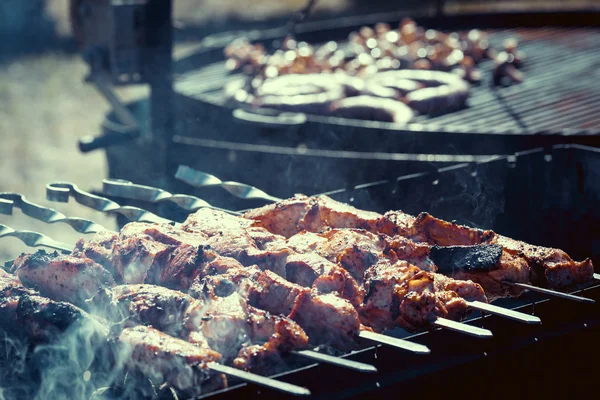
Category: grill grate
<point>561,88</point>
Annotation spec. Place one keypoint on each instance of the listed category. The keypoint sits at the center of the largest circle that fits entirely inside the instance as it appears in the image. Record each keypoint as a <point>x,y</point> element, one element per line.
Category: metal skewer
<point>463,328</point>
<point>260,380</point>
<point>129,190</point>
<point>202,179</point>
<point>10,200</point>
<point>551,292</point>
<point>326,358</point>
<point>61,191</point>
<point>503,312</point>
<point>33,239</point>
<point>395,342</point>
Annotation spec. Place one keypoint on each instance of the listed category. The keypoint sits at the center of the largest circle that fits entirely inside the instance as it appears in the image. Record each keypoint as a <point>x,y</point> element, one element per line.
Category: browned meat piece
<point>163,233</point>
<point>506,72</point>
<point>231,236</point>
<point>313,270</point>
<point>243,334</point>
<point>415,253</point>
<point>99,248</point>
<point>163,358</point>
<point>315,214</point>
<point>519,262</point>
<point>372,108</point>
<point>283,217</point>
<point>304,269</point>
<point>150,305</point>
<point>26,314</point>
<point>338,280</point>
<point>179,266</point>
<point>326,319</point>
<point>548,266</point>
<point>355,250</point>
<point>400,294</point>
<point>428,229</point>
<point>62,277</point>
<point>133,257</point>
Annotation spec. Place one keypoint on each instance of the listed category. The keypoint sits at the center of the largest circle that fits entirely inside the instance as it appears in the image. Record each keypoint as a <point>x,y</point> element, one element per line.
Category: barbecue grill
<point>545,193</point>
<point>520,358</point>
<point>553,105</point>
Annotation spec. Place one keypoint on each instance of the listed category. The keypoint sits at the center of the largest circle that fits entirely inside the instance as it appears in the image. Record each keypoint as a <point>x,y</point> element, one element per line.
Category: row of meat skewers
<point>245,290</point>
<point>381,74</point>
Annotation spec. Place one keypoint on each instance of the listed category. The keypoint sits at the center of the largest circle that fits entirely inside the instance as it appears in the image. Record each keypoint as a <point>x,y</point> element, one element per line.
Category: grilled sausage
<point>372,108</point>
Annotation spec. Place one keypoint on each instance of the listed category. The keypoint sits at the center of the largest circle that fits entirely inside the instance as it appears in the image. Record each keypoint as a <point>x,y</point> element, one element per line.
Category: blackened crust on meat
<point>478,258</point>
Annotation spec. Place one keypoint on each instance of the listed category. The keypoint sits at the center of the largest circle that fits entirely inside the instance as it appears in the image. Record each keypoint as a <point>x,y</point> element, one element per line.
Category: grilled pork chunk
<point>62,277</point>
<point>354,249</point>
<point>326,318</point>
<point>98,248</point>
<point>520,262</point>
<point>144,304</point>
<point>400,294</point>
<point>251,338</point>
<point>314,214</point>
<point>25,313</point>
<point>232,236</point>
<point>164,358</point>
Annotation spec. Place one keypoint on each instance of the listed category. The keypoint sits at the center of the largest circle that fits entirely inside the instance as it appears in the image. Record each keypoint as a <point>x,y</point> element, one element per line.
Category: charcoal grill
<point>554,105</point>
<point>520,359</point>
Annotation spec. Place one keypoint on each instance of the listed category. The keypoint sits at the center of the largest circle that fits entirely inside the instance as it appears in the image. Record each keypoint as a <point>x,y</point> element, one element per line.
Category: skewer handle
<point>48,215</point>
<point>463,328</point>
<point>395,342</point>
<point>61,191</point>
<point>201,179</point>
<point>260,380</point>
<point>149,194</point>
<point>337,361</point>
<point>503,312</point>
<point>34,239</point>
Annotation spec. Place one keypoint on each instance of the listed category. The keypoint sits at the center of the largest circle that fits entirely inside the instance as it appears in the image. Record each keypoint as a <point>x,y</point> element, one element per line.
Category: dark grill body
<point>555,104</point>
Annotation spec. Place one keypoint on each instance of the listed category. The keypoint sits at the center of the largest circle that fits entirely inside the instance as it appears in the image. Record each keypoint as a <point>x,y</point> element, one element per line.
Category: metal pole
<point>158,64</point>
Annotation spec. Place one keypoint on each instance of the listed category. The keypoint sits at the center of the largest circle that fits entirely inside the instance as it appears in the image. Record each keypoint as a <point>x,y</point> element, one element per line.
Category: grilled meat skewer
<point>164,358</point>
<point>62,277</point>
<point>519,262</point>
<point>239,332</point>
<point>233,236</point>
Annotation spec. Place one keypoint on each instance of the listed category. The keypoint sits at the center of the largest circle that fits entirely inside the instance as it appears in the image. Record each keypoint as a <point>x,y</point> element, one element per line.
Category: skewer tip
<point>470,330</point>
<point>395,342</point>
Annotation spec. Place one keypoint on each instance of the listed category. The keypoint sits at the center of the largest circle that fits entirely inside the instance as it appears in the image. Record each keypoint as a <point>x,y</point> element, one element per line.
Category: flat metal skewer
<point>61,191</point>
<point>463,328</point>
<point>550,292</point>
<point>395,342</point>
<point>34,239</point>
<point>337,361</point>
<point>260,380</point>
<point>130,190</point>
<point>201,179</point>
<point>48,215</point>
<point>504,312</point>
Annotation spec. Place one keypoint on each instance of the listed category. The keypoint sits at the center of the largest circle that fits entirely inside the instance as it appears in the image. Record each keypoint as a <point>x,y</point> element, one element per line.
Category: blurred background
<point>45,105</point>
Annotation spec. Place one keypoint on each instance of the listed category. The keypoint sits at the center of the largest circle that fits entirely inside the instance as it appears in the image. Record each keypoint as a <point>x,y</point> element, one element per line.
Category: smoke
<point>66,366</point>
